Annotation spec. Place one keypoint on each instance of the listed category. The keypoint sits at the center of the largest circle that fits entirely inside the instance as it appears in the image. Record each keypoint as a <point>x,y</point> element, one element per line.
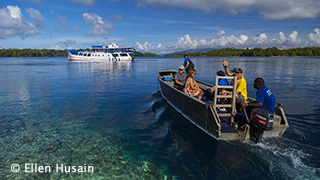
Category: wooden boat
<point>219,120</point>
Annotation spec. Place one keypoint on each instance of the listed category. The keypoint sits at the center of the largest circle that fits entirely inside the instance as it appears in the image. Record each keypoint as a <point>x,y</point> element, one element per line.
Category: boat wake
<point>289,159</point>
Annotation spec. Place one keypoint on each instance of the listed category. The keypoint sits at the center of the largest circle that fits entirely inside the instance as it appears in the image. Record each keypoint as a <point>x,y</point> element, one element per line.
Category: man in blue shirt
<point>265,98</point>
<point>187,63</point>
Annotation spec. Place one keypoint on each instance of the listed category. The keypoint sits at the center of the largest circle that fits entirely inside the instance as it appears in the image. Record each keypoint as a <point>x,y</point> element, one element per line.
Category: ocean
<point>107,120</point>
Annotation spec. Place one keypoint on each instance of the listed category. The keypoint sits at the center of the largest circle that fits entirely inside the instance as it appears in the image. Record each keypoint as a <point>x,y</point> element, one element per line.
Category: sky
<point>159,26</point>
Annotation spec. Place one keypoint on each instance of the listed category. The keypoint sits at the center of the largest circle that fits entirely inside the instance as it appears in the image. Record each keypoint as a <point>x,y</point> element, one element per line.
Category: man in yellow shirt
<point>241,82</point>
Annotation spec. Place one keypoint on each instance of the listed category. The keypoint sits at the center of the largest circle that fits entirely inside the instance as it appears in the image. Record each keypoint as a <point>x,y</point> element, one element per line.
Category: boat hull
<point>100,57</point>
<point>206,115</point>
<point>196,111</point>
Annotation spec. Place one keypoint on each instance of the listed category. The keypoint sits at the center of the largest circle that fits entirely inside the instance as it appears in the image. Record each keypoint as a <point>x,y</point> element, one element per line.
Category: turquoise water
<point>111,116</point>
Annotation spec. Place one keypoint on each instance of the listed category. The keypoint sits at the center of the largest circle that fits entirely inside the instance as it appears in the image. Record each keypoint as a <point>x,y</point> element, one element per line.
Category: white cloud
<point>100,27</point>
<point>145,46</point>
<point>271,9</point>
<point>294,36</point>
<point>12,22</point>
<point>261,39</point>
<point>220,33</point>
<point>85,2</point>
<point>291,40</point>
<point>315,37</point>
<point>55,47</point>
<point>282,37</point>
<point>37,18</point>
<point>186,43</point>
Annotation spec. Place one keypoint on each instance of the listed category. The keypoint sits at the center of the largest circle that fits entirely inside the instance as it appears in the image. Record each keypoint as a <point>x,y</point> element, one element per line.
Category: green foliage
<point>136,53</point>
<point>272,51</point>
<point>150,54</point>
<point>144,54</point>
<point>32,53</point>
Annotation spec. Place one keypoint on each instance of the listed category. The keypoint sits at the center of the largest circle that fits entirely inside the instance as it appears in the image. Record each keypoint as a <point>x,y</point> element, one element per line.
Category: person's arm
<point>178,82</point>
<point>253,104</point>
<point>258,103</point>
<point>187,64</point>
<point>192,85</point>
<point>225,65</point>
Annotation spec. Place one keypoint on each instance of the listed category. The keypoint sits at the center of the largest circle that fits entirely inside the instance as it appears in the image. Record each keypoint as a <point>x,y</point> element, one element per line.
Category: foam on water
<point>290,161</point>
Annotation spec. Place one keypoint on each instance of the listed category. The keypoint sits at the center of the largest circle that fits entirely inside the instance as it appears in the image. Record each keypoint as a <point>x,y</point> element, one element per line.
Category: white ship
<point>103,53</point>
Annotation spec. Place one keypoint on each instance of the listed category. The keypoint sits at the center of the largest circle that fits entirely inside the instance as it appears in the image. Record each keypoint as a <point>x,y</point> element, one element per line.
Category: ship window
<point>115,55</point>
<point>123,54</point>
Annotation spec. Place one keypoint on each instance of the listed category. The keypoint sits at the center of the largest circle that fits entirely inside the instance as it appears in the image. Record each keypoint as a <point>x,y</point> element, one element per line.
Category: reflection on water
<point>112,116</point>
<point>91,67</point>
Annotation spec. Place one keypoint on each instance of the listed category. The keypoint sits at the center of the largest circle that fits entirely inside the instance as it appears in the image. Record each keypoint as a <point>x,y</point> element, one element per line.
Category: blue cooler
<point>167,78</point>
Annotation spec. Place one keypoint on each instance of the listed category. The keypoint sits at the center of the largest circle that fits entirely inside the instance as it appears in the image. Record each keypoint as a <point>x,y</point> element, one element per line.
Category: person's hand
<point>225,62</point>
<point>243,104</point>
<point>224,92</point>
<point>213,89</point>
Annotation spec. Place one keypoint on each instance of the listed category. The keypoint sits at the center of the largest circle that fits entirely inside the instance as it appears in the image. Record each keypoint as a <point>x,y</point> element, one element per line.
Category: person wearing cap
<point>187,63</point>
<point>180,78</point>
<point>241,82</point>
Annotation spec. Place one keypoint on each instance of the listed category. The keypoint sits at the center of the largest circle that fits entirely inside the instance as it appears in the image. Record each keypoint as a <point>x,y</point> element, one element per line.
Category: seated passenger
<point>265,98</point>
<point>180,78</point>
<point>191,86</point>
<point>222,82</point>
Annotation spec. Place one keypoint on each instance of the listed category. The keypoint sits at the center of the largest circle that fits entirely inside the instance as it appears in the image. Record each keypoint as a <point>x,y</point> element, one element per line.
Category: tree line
<point>32,53</point>
<point>255,52</point>
<point>273,51</point>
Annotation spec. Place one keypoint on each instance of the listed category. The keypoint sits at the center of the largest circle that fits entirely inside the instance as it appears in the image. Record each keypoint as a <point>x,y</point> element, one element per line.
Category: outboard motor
<point>261,120</point>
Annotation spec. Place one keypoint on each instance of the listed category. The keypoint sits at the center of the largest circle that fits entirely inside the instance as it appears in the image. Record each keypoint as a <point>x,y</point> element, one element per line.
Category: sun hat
<point>182,67</point>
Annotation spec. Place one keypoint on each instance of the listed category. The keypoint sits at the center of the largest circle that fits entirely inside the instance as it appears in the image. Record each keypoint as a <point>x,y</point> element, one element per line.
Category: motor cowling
<point>261,120</point>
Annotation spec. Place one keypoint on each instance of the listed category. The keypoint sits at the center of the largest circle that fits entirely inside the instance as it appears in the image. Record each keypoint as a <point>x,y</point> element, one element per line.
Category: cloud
<point>34,1</point>
<point>271,9</point>
<point>85,2</point>
<point>145,46</point>
<point>100,27</point>
<point>262,40</point>
<point>55,47</point>
<point>61,24</point>
<point>36,17</point>
<point>68,42</point>
<point>315,37</point>
<point>117,17</point>
<point>12,22</point>
<point>220,33</point>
